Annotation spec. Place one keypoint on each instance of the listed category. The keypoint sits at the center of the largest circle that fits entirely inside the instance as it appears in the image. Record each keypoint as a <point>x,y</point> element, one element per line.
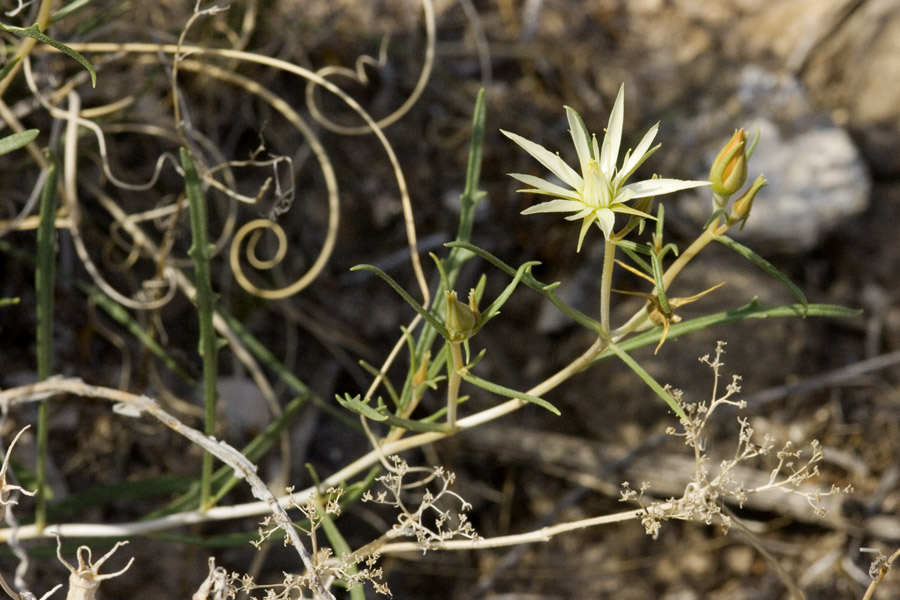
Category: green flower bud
<point>461,318</point>
<point>743,204</point>
<point>729,169</point>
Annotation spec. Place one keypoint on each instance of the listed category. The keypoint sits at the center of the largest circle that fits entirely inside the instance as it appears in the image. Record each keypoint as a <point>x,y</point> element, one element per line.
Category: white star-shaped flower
<point>600,191</point>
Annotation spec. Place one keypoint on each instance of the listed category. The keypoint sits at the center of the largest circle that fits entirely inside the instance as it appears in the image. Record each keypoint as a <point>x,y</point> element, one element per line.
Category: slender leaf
<point>507,392</point>
<point>357,405</point>
<point>17,140</point>
<point>752,310</point>
<point>45,282</point>
<point>382,415</point>
<point>223,480</point>
<point>35,33</point>
<point>68,9</point>
<point>8,67</point>
<point>648,379</point>
<point>430,318</point>
<point>765,265</point>
<point>547,289</point>
<point>658,282</point>
<point>205,299</point>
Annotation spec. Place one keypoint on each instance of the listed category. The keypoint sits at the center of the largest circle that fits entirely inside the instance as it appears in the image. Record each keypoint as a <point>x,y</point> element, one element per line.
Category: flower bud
<point>461,318</point>
<point>742,205</point>
<point>729,169</point>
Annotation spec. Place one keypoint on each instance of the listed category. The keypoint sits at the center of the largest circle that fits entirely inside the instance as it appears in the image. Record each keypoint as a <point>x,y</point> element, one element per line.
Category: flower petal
<point>548,159</point>
<point>585,225</point>
<point>545,187</point>
<point>551,206</point>
<point>582,214</point>
<point>655,187</point>
<point>580,136</point>
<point>640,154</point>
<point>606,219</point>
<point>624,208</point>
<point>613,138</point>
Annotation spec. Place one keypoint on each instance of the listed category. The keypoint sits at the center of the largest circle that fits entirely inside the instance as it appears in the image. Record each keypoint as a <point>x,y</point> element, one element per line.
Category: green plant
<point>434,383</point>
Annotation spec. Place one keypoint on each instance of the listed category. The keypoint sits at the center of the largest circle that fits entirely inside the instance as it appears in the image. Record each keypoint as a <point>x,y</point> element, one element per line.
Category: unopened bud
<point>461,319</point>
<point>729,169</point>
<point>743,204</point>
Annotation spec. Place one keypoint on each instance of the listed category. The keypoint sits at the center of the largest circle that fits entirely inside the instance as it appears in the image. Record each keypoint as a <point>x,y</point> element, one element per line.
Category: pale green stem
<point>609,254</point>
<point>453,381</point>
<point>485,416</point>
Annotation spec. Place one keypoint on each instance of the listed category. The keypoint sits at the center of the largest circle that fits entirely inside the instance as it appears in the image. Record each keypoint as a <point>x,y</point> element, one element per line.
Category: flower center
<point>596,193</point>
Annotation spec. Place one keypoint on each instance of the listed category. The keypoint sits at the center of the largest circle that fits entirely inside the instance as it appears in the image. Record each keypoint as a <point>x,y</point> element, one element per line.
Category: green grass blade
<point>68,9</point>
<point>205,299</point>
<point>263,355</point>
<point>45,278</point>
<point>121,315</point>
<point>223,480</point>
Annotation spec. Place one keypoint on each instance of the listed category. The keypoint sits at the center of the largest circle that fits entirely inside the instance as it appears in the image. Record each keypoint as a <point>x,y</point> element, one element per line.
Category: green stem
<point>44,284</point>
<point>205,300</point>
<point>609,254</point>
<point>453,381</point>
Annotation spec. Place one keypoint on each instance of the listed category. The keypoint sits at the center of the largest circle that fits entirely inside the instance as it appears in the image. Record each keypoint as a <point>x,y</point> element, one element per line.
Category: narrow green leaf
<point>356,404</point>
<point>46,271</point>
<point>35,33</point>
<point>9,66</point>
<point>470,197</point>
<point>205,300</point>
<point>752,310</point>
<point>17,140</point>
<point>494,309</point>
<point>382,415</point>
<point>765,265</point>
<point>508,392</point>
<point>68,9</point>
<point>45,282</point>
<point>633,251</point>
<point>430,318</point>
<point>648,379</point>
<point>546,289</point>
<point>223,480</point>
<point>471,194</point>
<point>658,282</point>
